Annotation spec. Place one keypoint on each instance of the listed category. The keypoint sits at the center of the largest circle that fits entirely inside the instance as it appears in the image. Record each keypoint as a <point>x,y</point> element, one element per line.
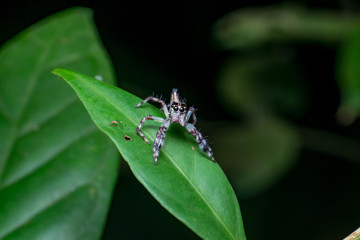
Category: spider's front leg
<point>188,115</point>
<point>159,140</point>
<point>158,119</point>
<point>200,140</point>
<point>154,99</point>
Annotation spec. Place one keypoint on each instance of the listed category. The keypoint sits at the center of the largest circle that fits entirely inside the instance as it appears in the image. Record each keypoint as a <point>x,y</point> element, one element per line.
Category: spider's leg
<point>154,99</point>
<point>159,140</point>
<point>188,115</point>
<point>158,119</point>
<point>200,140</point>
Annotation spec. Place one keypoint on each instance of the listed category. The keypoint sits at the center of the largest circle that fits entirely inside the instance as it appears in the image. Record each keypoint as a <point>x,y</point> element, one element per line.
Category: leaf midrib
<point>171,159</point>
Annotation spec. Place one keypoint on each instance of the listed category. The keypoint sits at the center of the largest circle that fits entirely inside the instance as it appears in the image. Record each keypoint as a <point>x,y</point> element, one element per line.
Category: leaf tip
<point>62,73</point>
<point>57,71</point>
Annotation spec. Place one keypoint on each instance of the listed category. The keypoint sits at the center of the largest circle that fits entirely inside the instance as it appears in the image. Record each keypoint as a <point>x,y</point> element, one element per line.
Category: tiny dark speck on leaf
<point>127,138</point>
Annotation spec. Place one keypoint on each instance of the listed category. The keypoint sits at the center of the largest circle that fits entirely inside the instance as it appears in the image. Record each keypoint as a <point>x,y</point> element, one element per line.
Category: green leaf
<point>187,183</point>
<point>57,171</point>
<point>349,78</point>
<point>261,85</point>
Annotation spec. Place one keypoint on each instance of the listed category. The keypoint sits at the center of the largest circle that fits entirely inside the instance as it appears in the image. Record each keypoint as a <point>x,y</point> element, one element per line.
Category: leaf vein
<point>48,160</point>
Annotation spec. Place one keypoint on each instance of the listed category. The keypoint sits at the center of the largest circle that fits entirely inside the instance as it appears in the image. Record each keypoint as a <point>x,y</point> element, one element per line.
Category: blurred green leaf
<point>185,181</point>
<point>57,171</point>
<point>256,155</point>
<point>261,85</point>
<point>256,26</point>
<point>349,78</point>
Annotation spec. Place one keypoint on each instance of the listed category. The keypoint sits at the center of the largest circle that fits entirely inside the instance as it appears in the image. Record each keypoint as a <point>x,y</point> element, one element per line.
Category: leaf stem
<point>354,236</point>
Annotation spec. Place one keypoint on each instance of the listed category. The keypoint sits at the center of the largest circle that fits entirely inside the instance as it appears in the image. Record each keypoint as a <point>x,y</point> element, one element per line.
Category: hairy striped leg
<point>154,99</point>
<point>159,140</point>
<point>200,140</point>
<point>188,115</point>
<point>158,119</point>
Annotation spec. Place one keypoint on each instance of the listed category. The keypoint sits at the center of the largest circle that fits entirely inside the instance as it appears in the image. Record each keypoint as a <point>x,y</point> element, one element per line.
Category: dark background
<point>317,199</point>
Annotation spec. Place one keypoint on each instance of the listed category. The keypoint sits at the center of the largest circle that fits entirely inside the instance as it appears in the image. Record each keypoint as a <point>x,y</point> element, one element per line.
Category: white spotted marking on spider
<point>175,112</point>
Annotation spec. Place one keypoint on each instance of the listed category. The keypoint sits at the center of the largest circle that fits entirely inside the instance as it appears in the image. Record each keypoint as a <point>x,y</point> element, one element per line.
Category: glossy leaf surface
<point>57,171</point>
<point>185,181</point>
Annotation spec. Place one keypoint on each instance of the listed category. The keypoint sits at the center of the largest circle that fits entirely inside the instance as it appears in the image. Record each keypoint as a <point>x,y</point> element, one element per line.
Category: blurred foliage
<point>246,28</point>
<point>256,154</point>
<point>261,83</point>
<point>349,77</point>
<point>57,170</point>
<point>265,84</point>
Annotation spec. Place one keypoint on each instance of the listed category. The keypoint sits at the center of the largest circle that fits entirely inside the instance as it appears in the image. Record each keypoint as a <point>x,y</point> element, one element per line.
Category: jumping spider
<point>175,112</point>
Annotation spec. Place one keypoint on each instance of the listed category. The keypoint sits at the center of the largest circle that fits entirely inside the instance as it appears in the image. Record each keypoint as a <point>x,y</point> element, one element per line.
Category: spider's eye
<point>182,109</point>
<point>176,108</point>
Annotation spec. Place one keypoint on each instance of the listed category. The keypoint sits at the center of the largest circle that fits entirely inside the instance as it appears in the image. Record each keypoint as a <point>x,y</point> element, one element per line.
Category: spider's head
<point>177,107</point>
